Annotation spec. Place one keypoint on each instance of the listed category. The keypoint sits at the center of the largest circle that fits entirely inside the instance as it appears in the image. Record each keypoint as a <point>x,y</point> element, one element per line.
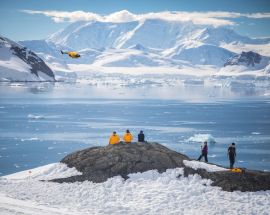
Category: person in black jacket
<point>232,154</point>
<point>141,137</point>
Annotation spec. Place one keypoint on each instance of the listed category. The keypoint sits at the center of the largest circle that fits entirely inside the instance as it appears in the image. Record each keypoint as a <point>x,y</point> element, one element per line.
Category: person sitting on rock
<point>114,139</point>
<point>141,137</point>
<point>128,137</point>
<point>232,154</point>
<point>204,152</point>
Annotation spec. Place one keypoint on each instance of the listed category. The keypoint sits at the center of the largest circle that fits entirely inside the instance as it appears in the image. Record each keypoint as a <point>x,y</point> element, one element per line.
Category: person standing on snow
<point>232,154</point>
<point>127,137</point>
<point>204,152</point>
<point>114,139</point>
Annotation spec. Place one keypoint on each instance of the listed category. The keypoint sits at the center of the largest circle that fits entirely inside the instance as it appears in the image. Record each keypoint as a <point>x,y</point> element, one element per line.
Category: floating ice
<point>32,116</point>
<point>202,138</point>
<point>29,139</point>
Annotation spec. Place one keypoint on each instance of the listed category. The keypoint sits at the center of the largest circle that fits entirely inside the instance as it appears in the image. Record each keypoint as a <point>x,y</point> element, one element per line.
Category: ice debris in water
<point>202,138</point>
<point>32,116</point>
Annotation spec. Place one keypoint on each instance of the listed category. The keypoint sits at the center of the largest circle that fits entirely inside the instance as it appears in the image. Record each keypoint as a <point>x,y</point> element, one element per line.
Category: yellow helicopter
<point>72,54</point>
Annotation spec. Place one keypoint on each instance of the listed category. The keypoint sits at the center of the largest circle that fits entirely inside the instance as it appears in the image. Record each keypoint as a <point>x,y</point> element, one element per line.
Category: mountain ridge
<point>159,41</point>
<point>17,63</point>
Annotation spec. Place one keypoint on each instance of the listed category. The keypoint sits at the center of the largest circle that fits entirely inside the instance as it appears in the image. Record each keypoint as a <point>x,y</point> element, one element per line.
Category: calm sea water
<point>42,123</point>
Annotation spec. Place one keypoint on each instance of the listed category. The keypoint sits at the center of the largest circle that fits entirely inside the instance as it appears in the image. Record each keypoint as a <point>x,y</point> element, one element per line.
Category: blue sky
<point>34,24</point>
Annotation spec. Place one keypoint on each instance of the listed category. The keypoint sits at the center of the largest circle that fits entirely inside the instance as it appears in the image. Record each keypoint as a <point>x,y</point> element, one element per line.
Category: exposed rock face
<point>97,164</point>
<point>245,58</point>
<point>229,181</point>
<point>100,163</point>
<point>36,65</point>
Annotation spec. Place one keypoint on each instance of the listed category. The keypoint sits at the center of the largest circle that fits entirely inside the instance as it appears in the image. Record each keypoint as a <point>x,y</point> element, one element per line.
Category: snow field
<point>47,172</point>
<point>143,193</point>
<point>201,165</point>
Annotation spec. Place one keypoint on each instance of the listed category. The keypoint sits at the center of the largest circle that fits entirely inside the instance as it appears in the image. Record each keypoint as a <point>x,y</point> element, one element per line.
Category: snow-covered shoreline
<point>143,193</point>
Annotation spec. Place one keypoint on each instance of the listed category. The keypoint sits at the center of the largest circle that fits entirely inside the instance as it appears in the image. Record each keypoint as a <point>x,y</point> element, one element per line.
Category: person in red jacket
<point>204,152</point>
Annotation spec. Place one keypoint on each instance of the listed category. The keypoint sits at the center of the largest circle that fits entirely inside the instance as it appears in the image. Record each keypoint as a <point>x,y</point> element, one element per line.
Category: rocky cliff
<point>17,63</point>
<point>248,59</point>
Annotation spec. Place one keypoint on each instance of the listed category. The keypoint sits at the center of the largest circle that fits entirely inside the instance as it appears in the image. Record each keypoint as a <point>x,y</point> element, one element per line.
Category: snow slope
<point>217,36</point>
<point>143,193</point>
<point>200,53</point>
<point>151,33</point>
<point>47,172</point>
<point>20,64</point>
<point>147,43</point>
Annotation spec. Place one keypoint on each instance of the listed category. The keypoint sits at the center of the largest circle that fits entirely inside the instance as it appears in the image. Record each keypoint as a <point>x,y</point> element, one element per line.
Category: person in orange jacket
<point>114,139</point>
<point>128,137</point>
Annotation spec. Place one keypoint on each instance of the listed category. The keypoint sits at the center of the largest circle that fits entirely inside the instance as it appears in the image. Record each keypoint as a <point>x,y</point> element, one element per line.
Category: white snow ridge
<point>143,193</point>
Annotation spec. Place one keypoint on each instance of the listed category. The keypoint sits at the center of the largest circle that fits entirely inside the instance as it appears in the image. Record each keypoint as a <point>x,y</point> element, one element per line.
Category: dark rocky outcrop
<point>36,64</point>
<point>100,163</point>
<point>245,58</point>
<point>97,164</point>
<point>249,180</point>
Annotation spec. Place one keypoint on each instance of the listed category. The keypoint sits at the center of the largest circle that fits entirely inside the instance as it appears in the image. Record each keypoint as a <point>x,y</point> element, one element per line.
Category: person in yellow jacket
<point>128,137</point>
<point>114,139</point>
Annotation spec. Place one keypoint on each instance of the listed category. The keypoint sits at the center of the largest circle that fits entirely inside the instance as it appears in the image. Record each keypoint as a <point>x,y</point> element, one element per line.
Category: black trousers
<point>232,161</point>
<point>203,155</point>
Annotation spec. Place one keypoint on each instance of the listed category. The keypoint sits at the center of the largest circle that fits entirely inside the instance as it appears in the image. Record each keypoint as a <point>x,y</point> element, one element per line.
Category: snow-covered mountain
<point>151,33</point>
<point>17,63</point>
<point>142,43</point>
<point>217,36</point>
<point>199,53</point>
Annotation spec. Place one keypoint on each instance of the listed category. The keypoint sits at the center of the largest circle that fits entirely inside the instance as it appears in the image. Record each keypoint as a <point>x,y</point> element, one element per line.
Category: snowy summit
<point>148,42</point>
<point>17,63</point>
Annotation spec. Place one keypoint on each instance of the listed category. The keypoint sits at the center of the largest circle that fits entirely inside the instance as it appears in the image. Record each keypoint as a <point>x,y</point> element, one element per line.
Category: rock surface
<point>97,164</point>
<point>22,59</point>
<point>245,58</point>
<point>250,180</point>
<point>100,163</point>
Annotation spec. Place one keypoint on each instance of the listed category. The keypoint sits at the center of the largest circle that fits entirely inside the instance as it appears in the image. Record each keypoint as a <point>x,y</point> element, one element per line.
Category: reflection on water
<point>15,88</point>
<point>37,88</point>
<point>194,90</point>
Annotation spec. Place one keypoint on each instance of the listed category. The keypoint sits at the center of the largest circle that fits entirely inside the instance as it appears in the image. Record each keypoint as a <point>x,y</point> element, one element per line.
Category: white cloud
<point>219,18</point>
